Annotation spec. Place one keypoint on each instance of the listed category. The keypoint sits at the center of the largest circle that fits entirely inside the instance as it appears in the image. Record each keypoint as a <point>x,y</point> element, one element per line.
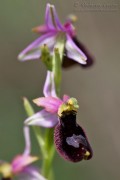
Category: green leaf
<point>27,106</point>
<point>30,111</point>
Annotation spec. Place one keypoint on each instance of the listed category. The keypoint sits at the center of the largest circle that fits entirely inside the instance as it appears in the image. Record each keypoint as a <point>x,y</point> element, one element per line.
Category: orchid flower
<point>20,165</point>
<point>48,117</point>
<point>54,35</point>
<point>69,137</point>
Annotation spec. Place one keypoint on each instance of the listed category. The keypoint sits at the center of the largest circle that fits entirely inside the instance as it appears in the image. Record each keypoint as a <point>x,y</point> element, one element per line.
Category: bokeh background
<point>97,88</point>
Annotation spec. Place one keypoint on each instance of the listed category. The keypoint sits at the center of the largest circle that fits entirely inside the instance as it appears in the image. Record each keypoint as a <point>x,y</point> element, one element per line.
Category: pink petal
<point>33,50</point>
<point>21,161</point>
<point>49,86</point>
<point>51,104</point>
<point>42,118</point>
<point>69,29</point>
<point>74,52</point>
<point>65,98</point>
<point>40,29</point>
<point>27,140</point>
<point>52,20</point>
<point>30,173</point>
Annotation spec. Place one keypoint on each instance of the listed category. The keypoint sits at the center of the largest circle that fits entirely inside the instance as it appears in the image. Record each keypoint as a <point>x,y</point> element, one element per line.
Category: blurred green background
<point>97,88</point>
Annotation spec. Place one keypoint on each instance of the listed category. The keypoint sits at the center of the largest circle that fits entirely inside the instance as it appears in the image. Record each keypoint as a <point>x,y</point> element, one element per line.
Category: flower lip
<point>70,139</point>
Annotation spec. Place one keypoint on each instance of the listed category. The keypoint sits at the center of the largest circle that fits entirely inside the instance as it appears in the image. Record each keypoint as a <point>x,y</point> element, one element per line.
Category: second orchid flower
<point>54,35</point>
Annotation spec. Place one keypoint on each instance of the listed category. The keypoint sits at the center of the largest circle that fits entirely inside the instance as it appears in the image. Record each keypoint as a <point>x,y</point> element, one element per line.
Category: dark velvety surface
<point>69,129</point>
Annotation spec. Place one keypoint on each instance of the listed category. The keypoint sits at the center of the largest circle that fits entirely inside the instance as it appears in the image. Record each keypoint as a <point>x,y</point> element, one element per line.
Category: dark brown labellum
<point>70,139</point>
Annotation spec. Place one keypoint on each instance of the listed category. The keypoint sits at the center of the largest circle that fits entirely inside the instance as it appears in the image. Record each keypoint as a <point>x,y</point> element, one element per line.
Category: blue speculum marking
<point>76,140</point>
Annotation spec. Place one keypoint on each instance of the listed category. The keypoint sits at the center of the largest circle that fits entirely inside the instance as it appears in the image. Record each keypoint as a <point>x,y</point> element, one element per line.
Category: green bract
<point>46,57</point>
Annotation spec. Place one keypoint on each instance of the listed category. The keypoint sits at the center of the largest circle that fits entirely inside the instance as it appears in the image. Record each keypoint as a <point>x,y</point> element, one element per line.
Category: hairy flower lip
<point>70,139</point>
